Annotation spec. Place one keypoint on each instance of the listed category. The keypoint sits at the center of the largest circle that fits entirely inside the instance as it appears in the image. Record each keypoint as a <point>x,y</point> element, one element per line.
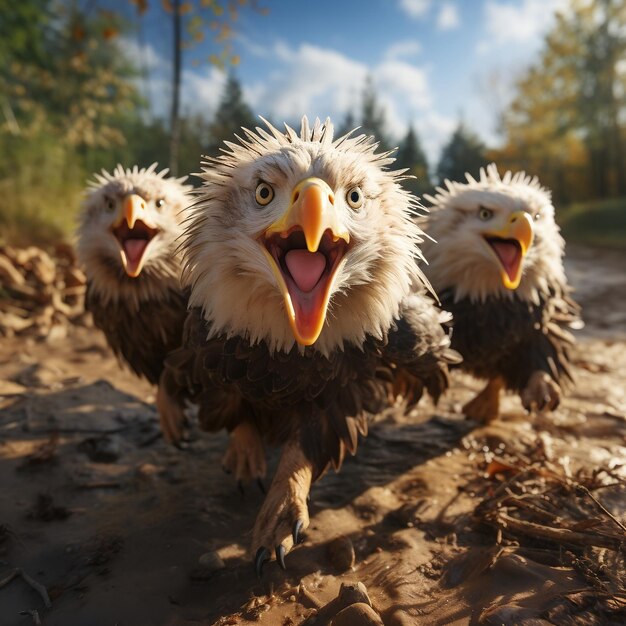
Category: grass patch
<point>595,223</point>
<point>40,190</point>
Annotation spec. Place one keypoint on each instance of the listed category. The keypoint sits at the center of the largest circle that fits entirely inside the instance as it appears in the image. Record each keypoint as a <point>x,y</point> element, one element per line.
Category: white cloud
<point>403,49</point>
<point>416,9</point>
<point>145,56</point>
<point>507,23</point>
<point>201,91</point>
<point>321,82</point>
<point>448,18</point>
<point>315,81</point>
<point>309,79</point>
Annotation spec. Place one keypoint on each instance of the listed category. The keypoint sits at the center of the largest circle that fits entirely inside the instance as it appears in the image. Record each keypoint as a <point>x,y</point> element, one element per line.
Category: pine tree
<point>232,113</point>
<point>373,116</point>
<point>465,152</point>
<point>411,156</point>
<point>348,124</point>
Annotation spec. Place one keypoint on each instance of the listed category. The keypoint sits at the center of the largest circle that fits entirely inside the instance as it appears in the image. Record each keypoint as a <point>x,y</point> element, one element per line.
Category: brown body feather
<point>141,334</point>
<point>323,401</point>
<point>511,338</point>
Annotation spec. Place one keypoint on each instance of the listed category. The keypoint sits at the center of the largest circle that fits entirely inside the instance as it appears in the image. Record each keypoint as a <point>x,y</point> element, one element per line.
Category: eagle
<point>497,267</point>
<point>300,253</point>
<point>127,241</point>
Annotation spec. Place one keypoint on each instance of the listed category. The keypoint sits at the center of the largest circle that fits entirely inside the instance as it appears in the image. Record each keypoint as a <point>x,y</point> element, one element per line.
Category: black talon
<point>295,533</point>
<point>240,487</point>
<point>226,470</point>
<point>262,556</point>
<point>280,556</point>
<point>261,486</point>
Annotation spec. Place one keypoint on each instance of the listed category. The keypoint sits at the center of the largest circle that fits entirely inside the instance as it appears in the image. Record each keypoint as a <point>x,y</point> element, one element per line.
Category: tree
<point>83,52</point>
<point>348,124</point>
<point>465,152</point>
<point>217,15</point>
<point>373,116</point>
<point>565,122</point>
<point>232,113</point>
<point>411,156</point>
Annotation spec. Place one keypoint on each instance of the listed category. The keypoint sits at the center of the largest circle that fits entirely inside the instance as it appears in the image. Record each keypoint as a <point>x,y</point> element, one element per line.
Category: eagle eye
<point>484,213</point>
<point>264,194</point>
<point>354,197</point>
<point>159,203</point>
<point>109,204</point>
<point>537,215</point>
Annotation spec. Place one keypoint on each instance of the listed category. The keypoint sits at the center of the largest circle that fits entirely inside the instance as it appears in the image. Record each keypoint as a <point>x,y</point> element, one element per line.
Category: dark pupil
<point>264,193</point>
<point>354,196</point>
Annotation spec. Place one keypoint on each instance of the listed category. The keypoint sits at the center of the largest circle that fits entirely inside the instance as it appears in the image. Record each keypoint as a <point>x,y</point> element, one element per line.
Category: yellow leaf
<point>109,33</point>
<point>142,5</point>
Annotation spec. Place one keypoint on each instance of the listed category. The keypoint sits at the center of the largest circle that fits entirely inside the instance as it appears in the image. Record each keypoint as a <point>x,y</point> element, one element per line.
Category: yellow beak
<point>510,244</point>
<point>133,245</point>
<point>305,276</point>
<point>312,209</point>
<point>133,208</point>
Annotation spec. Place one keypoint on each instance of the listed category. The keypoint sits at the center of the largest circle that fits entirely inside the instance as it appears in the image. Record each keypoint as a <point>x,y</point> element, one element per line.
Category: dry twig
<point>38,587</point>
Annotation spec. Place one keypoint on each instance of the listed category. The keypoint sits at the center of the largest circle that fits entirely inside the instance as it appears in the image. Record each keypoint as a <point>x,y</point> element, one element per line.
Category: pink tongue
<point>508,253</point>
<point>134,249</point>
<point>305,267</point>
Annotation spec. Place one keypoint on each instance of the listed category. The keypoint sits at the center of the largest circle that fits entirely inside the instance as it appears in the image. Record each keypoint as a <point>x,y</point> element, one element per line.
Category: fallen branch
<point>559,535</point>
<point>38,587</point>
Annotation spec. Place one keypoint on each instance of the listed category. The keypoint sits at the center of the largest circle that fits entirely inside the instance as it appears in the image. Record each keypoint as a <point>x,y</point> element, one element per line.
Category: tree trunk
<point>175,112</point>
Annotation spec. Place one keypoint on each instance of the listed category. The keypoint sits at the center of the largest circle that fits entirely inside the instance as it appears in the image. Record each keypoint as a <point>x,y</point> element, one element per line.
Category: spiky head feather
<point>98,249</point>
<point>225,265</point>
<point>458,258</point>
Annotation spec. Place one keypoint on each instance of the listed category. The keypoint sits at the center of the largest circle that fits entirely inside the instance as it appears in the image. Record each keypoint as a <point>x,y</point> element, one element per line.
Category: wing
<point>512,338</point>
<point>141,338</point>
<point>419,348</point>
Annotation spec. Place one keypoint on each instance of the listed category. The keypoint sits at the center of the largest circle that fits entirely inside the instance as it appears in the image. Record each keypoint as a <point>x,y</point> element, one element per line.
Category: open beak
<point>510,245</point>
<point>134,233</point>
<point>305,249</point>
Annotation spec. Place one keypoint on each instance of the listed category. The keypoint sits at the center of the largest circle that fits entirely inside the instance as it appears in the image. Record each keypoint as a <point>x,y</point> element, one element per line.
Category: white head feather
<point>461,260</point>
<point>99,250</point>
<point>224,262</point>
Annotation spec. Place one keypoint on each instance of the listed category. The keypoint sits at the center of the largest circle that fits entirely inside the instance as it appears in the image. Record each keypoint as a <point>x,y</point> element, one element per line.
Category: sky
<point>433,62</point>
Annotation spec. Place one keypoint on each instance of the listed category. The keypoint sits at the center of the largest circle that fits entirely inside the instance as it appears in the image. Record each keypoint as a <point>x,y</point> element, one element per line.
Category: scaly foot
<point>245,455</point>
<point>171,416</point>
<point>541,393</point>
<point>284,514</point>
<point>485,407</point>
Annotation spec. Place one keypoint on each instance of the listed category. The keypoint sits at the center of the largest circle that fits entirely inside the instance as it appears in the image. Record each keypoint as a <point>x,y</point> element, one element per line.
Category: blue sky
<point>432,61</point>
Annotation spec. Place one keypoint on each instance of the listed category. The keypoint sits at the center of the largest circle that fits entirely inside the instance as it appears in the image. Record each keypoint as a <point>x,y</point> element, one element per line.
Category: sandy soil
<point>123,530</point>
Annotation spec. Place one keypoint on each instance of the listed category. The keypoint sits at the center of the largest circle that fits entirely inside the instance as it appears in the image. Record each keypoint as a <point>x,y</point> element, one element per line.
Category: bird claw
<point>295,533</point>
<point>240,488</point>
<point>541,393</point>
<point>280,556</point>
<point>262,556</point>
<point>261,485</point>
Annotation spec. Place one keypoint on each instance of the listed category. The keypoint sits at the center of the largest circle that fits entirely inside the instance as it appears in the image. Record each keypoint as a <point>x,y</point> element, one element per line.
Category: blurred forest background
<point>71,103</point>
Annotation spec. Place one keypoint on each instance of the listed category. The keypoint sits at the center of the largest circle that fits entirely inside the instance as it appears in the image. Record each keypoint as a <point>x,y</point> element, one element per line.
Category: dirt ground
<point>518,522</point>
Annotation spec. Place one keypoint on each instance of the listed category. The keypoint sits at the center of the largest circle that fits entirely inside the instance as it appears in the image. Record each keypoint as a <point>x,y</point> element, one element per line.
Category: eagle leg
<point>245,455</point>
<point>284,512</point>
<point>540,393</point>
<point>171,416</point>
<point>485,407</point>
